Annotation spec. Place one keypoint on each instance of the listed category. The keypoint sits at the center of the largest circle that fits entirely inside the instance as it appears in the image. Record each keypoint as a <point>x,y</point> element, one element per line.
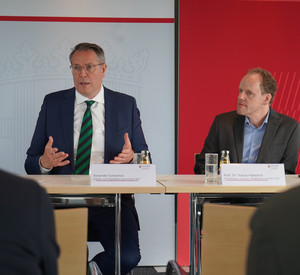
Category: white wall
<point>89,8</point>
<point>140,58</point>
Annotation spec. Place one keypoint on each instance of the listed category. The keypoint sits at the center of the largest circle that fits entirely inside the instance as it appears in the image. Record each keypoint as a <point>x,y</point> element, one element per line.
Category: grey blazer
<point>280,143</point>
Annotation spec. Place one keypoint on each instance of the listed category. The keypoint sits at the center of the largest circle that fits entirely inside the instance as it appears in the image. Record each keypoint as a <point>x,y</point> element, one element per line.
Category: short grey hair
<point>86,47</point>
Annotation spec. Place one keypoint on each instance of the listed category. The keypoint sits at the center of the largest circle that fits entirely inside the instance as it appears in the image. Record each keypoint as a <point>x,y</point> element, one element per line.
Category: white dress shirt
<point>98,118</point>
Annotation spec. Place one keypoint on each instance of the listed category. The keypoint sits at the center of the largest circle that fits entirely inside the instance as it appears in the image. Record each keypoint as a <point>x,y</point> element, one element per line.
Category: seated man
<point>27,231</point>
<point>254,133</point>
<point>275,243</point>
<point>90,123</point>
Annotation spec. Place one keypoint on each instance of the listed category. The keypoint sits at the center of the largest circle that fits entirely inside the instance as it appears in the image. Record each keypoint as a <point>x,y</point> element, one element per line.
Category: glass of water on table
<point>211,167</point>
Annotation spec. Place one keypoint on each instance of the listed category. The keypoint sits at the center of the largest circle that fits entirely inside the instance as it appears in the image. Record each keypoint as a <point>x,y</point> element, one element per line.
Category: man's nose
<point>82,72</point>
<point>241,95</point>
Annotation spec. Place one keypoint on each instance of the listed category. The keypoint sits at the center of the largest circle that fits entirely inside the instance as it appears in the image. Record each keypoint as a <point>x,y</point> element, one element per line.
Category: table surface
<point>81,184</point>
<point>196,184</point>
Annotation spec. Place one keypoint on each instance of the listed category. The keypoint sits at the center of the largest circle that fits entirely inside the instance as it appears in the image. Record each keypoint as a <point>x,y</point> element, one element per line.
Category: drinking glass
<point>211,167</point>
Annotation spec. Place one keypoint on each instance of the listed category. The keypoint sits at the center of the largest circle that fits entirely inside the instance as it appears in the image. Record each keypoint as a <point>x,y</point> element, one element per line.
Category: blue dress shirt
<point>252,140</point>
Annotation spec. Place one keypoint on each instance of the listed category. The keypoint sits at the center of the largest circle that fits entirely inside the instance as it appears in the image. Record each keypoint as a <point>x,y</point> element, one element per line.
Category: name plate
<point>123,174</point>
<point>252,174</point>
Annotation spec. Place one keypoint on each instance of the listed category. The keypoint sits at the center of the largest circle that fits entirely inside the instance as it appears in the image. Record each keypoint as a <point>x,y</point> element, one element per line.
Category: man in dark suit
<point>254,133</point>
<point>275,244</point>
<point>117,133</point>
<point>27,232</point>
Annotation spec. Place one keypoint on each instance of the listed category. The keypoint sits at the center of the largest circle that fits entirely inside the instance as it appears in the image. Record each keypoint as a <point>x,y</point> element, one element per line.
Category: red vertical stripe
<point>219,42</point>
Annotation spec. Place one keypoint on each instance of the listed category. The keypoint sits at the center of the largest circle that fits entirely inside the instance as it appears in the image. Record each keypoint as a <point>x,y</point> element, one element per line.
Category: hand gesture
<point>126,154</point>
<point>51,157</point>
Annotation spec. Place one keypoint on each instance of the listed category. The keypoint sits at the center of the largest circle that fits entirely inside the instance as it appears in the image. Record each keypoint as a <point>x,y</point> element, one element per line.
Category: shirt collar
<point>247,121</point>
<point>79,98</point>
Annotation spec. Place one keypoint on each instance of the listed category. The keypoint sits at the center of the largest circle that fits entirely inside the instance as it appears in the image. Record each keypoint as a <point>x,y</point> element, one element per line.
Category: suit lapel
<point>272,126</point>
<point>67,115</point>
<point>110,122</point>
<point>239,136</point>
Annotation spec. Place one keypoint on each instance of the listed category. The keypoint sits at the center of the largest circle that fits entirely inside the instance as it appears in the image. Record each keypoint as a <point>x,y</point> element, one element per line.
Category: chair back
<point>225,239</point>
<point>71,235</point>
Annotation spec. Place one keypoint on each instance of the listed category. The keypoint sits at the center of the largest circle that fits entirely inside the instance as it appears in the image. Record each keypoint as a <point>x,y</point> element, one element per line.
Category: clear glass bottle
<point>145,159</point>
<point>224,158</point>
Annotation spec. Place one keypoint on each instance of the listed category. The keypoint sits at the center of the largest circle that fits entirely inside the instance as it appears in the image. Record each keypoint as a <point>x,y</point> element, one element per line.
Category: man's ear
<point>267,99</point>
<point>103,69</point>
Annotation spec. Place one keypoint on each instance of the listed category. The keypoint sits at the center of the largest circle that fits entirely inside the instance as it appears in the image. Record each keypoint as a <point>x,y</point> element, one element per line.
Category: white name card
<point>252,174</point>
<point>123,174</point>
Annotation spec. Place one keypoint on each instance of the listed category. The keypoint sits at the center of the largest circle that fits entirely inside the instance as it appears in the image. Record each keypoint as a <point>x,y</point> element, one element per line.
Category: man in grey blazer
<point>254,133</point>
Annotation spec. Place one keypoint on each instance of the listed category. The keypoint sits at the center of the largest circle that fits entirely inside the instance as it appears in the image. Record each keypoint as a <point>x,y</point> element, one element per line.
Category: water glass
<point>137,158</point>
<point>211,167</point>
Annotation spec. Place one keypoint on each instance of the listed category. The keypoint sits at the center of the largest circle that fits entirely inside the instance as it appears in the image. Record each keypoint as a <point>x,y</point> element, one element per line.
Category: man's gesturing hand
<point>51,157</point>
<point>126,154</point>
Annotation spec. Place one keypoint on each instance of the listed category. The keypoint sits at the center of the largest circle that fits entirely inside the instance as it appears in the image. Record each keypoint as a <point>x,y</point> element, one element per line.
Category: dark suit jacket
<point>275,243</point>
<point>56,119</point>
<point>27,232</point>
<point>280,143</point>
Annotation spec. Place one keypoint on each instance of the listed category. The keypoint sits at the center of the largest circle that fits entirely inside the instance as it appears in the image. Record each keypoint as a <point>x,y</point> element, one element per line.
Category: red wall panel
<point>219,42</point>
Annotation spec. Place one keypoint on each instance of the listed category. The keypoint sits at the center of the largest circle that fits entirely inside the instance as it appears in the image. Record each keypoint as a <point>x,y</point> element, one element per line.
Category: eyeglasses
<point>90,68</point>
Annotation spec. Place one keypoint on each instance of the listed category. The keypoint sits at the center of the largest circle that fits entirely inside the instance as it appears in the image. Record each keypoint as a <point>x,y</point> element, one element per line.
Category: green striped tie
<point>82,165</point>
